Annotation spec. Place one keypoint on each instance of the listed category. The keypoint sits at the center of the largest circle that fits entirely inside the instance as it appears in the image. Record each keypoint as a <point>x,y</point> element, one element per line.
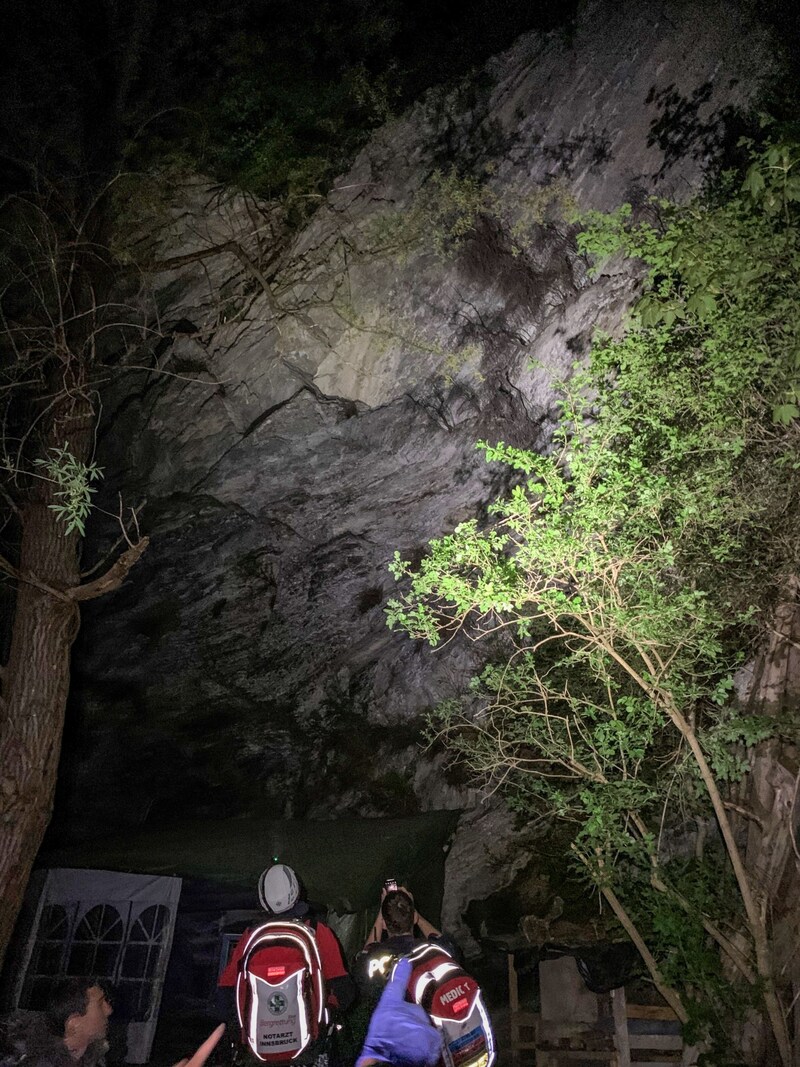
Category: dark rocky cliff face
<point>287,440</point>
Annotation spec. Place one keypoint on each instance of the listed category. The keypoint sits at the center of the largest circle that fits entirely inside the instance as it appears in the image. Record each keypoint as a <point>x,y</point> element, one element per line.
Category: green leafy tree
<point>627,575</point>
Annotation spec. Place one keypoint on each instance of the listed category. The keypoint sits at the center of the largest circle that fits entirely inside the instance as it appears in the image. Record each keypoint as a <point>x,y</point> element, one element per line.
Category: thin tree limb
<point>114,576</point>
<point>670,995</point>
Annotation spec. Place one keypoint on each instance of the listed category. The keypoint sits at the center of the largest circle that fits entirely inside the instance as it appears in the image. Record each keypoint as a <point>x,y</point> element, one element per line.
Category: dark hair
<point>68,997</point>
<point>397,910</point>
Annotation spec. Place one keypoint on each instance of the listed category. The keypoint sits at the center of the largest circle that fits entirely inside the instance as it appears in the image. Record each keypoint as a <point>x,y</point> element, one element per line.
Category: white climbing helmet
<point>278,888</point>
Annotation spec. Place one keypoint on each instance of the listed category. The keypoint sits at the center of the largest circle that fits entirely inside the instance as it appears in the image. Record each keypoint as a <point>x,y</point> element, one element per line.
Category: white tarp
<point>68,884</point>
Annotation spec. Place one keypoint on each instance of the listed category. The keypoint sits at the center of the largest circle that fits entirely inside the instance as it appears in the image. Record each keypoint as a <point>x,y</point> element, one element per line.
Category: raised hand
<point>205,1050</point>
<point>400,1033</point>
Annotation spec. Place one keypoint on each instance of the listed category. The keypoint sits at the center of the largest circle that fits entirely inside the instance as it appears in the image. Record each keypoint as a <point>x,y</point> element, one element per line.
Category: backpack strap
<point>430,965</point>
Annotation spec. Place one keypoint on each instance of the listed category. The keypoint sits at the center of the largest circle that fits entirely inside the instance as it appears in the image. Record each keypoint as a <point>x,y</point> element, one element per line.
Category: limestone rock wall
<point>312,404</point>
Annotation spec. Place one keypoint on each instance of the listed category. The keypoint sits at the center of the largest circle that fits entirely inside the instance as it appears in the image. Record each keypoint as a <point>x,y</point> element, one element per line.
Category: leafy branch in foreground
<point>626,578</point>
<point>74,493</point>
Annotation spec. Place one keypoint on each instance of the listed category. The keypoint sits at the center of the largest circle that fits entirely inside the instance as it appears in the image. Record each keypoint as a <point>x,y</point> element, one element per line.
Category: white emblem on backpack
<point>277,1004</point>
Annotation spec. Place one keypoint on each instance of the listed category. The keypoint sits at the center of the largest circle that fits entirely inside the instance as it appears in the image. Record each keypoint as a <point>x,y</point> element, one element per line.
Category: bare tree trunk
<point>35,688</point>
<point>771,855</point>
<point>67,274</point>
<point>36,676</point>
<point>752,900</point>
<point>754,911</point>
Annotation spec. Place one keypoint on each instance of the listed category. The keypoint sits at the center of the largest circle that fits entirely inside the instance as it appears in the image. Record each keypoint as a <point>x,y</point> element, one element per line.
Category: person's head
<point>78,1010</point>
<point>279,892</point>
<point>397,910</point>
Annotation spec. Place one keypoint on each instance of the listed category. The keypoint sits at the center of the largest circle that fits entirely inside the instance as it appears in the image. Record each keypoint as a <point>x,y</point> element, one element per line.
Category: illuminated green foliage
<point>74,489</point>
<point>449,207</point>
<point>628,573</point>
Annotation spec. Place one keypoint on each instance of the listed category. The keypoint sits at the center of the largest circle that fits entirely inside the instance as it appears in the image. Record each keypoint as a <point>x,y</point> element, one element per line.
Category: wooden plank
<point>649,1011</point>
<point>661,1042</point>
<point>526,1036</point>
<point>650,1059</point>
<point>513,986</point>
<point>621,1042</point>
<point>527,1018</point>
<point>657,1063</point>
<point>513,1000</point>
<point>608,1055</point>
<point>551,1031</point>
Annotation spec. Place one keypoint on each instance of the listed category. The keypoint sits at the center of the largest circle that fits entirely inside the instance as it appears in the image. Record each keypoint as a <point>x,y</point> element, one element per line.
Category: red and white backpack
<point>453,1000</point>
<point>280,992</point>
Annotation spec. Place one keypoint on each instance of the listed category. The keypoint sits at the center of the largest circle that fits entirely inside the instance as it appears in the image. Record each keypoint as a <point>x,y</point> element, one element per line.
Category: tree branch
<point>114,576</point>
<point>133,524</point>
<point>744,812</point>
<point>670,995</point>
